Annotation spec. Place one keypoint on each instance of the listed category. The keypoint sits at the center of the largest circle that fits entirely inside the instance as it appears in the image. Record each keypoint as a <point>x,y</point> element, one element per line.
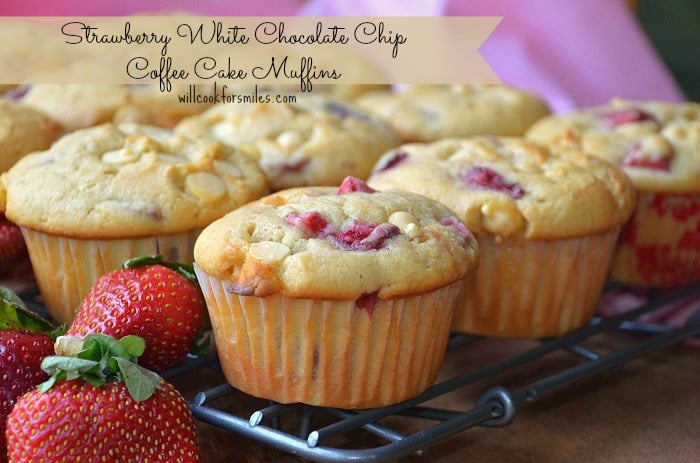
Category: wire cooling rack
<point>312,432</point>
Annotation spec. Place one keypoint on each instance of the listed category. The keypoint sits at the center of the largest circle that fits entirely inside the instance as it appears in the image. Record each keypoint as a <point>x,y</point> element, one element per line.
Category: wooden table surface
<point>646,411</point>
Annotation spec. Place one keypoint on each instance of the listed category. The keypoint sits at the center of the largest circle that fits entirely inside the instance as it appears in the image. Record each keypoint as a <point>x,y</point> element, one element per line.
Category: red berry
<point>76,421</point>
<point>295,166</point>
<point>353,184</point>
<point>461,229</point>
<point>154,302</point>
<point>311,224</point>
<point>625,116</point>
<point>394,160</point>
<point>357,236</point>
<point>357,231</point>
<point>364,236</point>
<point>655,161</point>
<point>13,252</point>
<point>21,354</point>
<point>367,302</point>
<point>485,178</point>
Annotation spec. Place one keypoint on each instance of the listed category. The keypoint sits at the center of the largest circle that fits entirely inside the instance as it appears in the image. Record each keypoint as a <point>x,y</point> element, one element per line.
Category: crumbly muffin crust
<point>425,113</point>
<point>331,244</point>
<point>127,181</point>
<point>510,187</point>
<point>656,143</point>
<point>23,130</point>
<point>316,141</point>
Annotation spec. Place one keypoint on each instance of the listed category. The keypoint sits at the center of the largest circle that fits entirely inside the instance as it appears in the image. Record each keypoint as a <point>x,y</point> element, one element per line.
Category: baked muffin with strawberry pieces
<point>658,145</point>
<point>334,296</point>
<point>316,141</point>
<point>22,130</point>
<point>102,195</point>
<point>423,113</point>
<point>100,405</point>
<point>546,223</point>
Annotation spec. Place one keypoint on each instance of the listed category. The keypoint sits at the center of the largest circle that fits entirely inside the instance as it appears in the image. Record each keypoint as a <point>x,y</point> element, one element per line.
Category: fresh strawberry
<point>101,406</point>
<point>147,298</point>
<point>25,340</point>
<point>14,259</point>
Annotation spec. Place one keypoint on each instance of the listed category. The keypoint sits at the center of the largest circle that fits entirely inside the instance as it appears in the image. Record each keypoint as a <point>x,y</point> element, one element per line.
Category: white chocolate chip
<point>403,219</point>
<point>501,216</point>
<point>223,132</point>
<point>226,168</point>
<point>268,251</point>
<point>121,156</point>
<point>205,186</point>
<point>411,230</point>
<point>289,139</point>
<point>654,146</point>
<point>250,150</point>
<point>170,158</point>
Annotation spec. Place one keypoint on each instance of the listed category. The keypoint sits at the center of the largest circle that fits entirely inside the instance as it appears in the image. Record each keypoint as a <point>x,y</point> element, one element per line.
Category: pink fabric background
<point>572,52</point>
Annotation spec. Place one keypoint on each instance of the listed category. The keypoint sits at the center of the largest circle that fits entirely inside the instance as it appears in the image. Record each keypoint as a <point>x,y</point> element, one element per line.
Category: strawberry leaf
<point>10,296</point>
<point>102,359</point>
<point>185,270</point>
<point>54,363</point>
<point>48,384</point>
<point>140,383</point>
<point>14,315</point>
<point>133,345</point>
<point>61,368</point>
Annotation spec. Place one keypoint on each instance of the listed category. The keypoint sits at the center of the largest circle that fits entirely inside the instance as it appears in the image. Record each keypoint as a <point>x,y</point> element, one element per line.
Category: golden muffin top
<point>337,244</point>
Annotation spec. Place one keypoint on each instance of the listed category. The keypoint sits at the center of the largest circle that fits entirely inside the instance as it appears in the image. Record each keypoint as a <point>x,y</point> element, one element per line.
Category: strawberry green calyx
<point>14,315</point>
<point>185,270</point>
<point>99,359</point>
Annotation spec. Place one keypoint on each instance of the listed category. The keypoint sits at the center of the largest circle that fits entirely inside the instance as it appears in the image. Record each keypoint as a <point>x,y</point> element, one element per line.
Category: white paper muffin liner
<point>534,288</point>
<point>65,268</point>
<point>329,353</point>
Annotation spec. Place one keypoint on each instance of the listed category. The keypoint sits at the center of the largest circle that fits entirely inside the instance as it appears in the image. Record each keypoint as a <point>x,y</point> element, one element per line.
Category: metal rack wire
<point>496,407</point>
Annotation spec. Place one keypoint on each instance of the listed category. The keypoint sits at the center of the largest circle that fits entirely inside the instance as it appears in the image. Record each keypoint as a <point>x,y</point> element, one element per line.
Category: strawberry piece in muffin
<point>486,178</point>
<point>638,156</point>
<point>613,119</point>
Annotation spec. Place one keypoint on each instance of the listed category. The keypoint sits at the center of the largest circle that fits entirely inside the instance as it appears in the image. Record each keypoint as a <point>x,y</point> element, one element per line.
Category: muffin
<point>22,130</point>
<point>546,224</point>
<point>315,141</point>
<point>424,113</point>
<point>81,106</point>
<point>76,106</point>
<point>658,145</point>
<point>102,195</point>
<point>338,297</point>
